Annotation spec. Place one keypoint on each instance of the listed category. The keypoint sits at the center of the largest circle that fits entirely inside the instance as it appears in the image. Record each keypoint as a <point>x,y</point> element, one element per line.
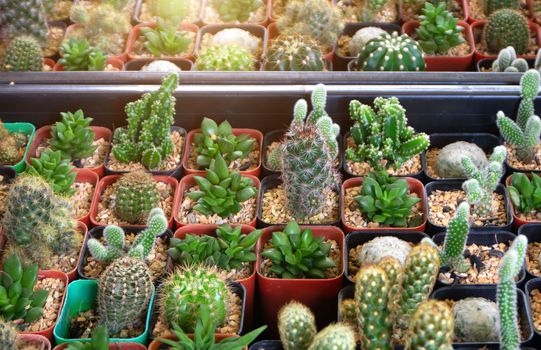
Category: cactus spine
<point>507,28</point>
<point>297,326</point>
<point>335,336</point>
<point>7,336</point>
<point>431,327</point>
<point>493,5</point>
<point>135,195</point>
<point>455,239</point>
<point>25,17</point>
<point>23,55</point>
<point>294,53</point>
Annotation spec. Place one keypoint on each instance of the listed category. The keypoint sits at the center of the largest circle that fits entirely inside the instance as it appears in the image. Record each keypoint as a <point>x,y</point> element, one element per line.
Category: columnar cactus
<point>124,292</point>
<point>306,157</point>
<point>23,55</point>
<point>431,327</point>
<point>524,133</point>
<point>135,195</point>
<point>335,336</point>
<point>297,326</point>
<point>394,271</point>
<point>507,61</point>
<point>391,52</point>
<point>147,137</point>
<point>455,239</point>
<point>189,287</point>
<point>482,182</point>
<point>507,28</point>
<point>294,52</point>
<point>225,58</point>
<point>382,136</point>
<point>25,17</point>
<point>494,5</point>
<point>7,336</point>
<point>236,10</point>
<point>73,136</point>
<point>373,314</point>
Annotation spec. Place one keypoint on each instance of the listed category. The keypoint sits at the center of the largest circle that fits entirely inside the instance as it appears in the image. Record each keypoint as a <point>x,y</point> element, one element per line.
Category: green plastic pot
<point>27,129</point>
<point>81,297</point>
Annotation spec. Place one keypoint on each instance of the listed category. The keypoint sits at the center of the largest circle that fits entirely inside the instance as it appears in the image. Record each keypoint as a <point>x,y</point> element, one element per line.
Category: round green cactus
<point>294,53</point>
<point>225,58</point>
<point>493,5</point>
<point>23,55</point>
<point>336,337</point>
<point>431,327</point>
<point>297,326</point>
<point>135,195</point>
<point>391,52</point>
<point>507,28</point>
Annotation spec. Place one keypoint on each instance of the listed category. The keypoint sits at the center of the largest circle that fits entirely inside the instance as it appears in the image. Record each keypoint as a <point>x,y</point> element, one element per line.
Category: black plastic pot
<point>486,63</point>
<point>8,174</point>
<point>97,232</point>
<point>530,286</point>
<point>272,181</point>
<point>533,233</point>
<point>349,174</point>
<point>489,292</point>
<point>488,239</point>
<point>485,141</point>
<point>137,64</point>
<point>176,173</point>
<point>355,239</point>
<point>267,345</point>
<point>449,185</point>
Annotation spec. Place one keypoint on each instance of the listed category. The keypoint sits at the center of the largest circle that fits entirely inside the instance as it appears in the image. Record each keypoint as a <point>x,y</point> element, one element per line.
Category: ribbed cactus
<point>391,52</point>
<point>189,287</point>
<point>494,5</point>
<point>135,195</point>
<point>334,337</point>
<point>23,55</point>
<point>297,326</point>
<point>374,317</point>
<point>482,183</point>
<point>524,133</point>
<point>294,52</point>
<point>382,136</point>
<point>236,10</point>
<point>306,157</point>
<point>507,61</point>
<point>507,28</point>
<point>7,336</point>
<point>395,272</point>
<point>9,145</point>
<point>225,58</point>
<point>124,292</point>
<point>431,327</point>
<point>455,239</point>
<point>25,17</point>
<point>147,138</point>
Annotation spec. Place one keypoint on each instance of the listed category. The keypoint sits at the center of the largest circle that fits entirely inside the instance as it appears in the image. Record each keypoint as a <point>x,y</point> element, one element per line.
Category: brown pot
<point>156,344</point>
<point>111,60</point>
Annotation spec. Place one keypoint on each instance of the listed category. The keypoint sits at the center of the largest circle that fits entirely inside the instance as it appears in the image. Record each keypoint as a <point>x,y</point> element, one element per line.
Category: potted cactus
<point>149,141</point>
<point>240,148</point>
<point>411,10</point>
<point>507,61</point>
<point>24,54</point>
<point>294,52</point>
<point>15,141</point>
<point>308,188</point>
<point>479,11</point>
<point>189,11</point>
<point>373,11</point>
<point>78,55</point>
<point>311,275</point>
<point>234,11</point>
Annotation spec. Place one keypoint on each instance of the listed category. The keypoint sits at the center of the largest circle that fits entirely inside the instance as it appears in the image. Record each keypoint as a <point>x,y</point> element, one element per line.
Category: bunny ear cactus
<point>297,326</point>
<point>438,31</point>
<point>432,326</point>
<point>507,61</point>
<point>455,239</point>
<point>72,136</point>
<point>55,170</point>
<point>524,133</point>
<point>391,52</point>
<point>147,138</point>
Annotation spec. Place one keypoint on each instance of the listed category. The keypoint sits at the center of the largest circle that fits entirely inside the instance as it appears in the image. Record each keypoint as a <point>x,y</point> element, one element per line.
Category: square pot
<point>414,186</point>
<point>139,9</point>
<point>530,286</point>
<point>318,294</point>
<point>531,231</point>
<point>517,221</point>
<point>81,296</point>
<point>29,130</point>
<point>86,176</point>
<point>206,3</point>
<point>486,63</point>
<point>139,63</point>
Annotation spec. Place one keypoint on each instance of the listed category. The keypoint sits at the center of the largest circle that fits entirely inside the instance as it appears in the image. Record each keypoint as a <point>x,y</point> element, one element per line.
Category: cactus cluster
<point>147,137</point>
<point>438,31</point>
<point>225,58</point>
<point>391,52</point>
<point>55,170</point>
<point>166,39</point>
<point>23,55</point>
<point>78,55</point>
<point>8,336</point>
<point>382,136</point>
<point>25,17</point>
<point>72,136</point>
<point>455,240</point>
<point>507,28</point>
<point>306,157</point>
<point>135,196</point>
<point>294,52</point>
<point>525,131</point>
<point>236,10</point>
<point>525,193</point>
<point>10,145</point>
<point>507,61</point>
<point>494,5</point>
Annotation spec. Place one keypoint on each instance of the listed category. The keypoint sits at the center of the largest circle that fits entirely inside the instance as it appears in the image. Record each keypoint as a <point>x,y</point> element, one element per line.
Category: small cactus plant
<point>335,336</point>
<point>236,10</point>
<point>380,247</point>
<point>135,195</point>
<point>391,52</point>
<point>476,320</point>
<point>25,17</point>
<point>72,136</point>
<point>225,58</point>
<point>297,326</point>
<point>10,144</point>
<point>494,5</point>
<point>524,133</point>
<point>362,37</point>
<point>449,160</point>
<point>507,61</point>
<point>507,28</point>
<point>23,55</point>
<point>455,240</point>
<point>55,170</point>
<point>431,327</point>
<point>294,52</point>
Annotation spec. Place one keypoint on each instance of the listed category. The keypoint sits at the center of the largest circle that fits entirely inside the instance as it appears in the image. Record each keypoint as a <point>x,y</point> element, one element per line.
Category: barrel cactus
<point>225,58</point>
<point>23,55</point>
<point>476,320</point>
<point>391,52</point>
<point>135,195</point>
<point>494,5</point>
<point>507,28</point>
<point>294,52</point>
<point>449,159</point>
<point>297,326</point>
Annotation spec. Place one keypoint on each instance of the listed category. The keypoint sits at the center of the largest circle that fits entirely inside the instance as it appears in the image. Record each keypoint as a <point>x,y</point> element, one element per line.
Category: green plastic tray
<point>27,129</point>
<point>81,296</point>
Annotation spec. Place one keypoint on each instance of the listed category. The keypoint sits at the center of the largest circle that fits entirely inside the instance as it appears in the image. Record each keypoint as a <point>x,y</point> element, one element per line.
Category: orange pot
<point>156,344</point>
<point>88,176</point>
<point>112,60</point>
<point>414,186</point>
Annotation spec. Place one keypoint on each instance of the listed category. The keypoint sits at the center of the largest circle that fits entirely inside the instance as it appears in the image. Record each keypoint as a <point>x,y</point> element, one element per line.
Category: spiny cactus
<point>147,138</point>
<point>361,37</point>
<point>438,31</point>
<point>391,52</point>
<point>382,136</point>
<point>507,28</point>
<point>483,181</point>
<point>189,287</point>
<point>236,10</point>
<point>23,55</point>
<point>318,19</point>
<point>135,195</point>
<point>369,8</point>
<point>524,133</point>
<point>335,336</point>
<point>347,312</point>
<point>225,58</point>
<point>10,143</point>
<point>455,239</point>
<point>55,170</point>
<point>306,157</point>
<point>297,326</point>
<point>507,61</point>
<point>124,292</point>
<point>115,238</point>
<point>431,327</point>
<point>394,271</point>
<point>493,5</point>
<point>25,17</point>
<point>72,136</point>
<point>7,336</point>
<point>294,52</point>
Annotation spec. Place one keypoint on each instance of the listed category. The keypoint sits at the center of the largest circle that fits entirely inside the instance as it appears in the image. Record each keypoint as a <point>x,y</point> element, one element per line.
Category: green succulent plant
<point>507,61</point>
<point>525,193</point>
<point>194,249</point>
<point>438,31</point>
<point>236,10</point>
<point>55,170</point>
<point>72,136</point>
<point>225,58</point>
<point>217,139</point>
<point>221,191</point>
<point>78,55</point>
<point>386,200</point>
<point>98,341</point>
<point>297,253</point>
<point>166,39</point>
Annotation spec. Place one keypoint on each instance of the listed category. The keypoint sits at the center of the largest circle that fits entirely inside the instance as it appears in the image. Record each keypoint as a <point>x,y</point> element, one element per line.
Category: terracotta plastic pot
<point>88,176</point>
<point>477,30</point>
<point>49,63</point>
<point>188,182</point>
<point>112,60</point>
<point>139,63</point>
<point>44,133</point>
<point>531,231</point>
<point>248,283</point>
<point>264,22</point>
<point>273,32</point>
<point>517,220</point>
<point>463,4</point>
<point>111,179</point>
<point>135,33</point>
<point>76,26</point>
<point>414,185</point>
<point>256,134</point>
<point>72,274</point>
<point>48,333</point>
<point>445,63</point>
<point>156,344</point>
<point>318,294</point>
<point>114,346</point>
<point>35,339</point>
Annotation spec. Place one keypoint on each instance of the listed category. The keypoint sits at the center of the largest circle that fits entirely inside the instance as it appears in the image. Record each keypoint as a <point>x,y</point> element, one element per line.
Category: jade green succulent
<point>98,341</point>
<point>78,55</point>
<point>166,39</point>
<point>438,31</point>
<point>297,253</point>
<point>525,193</point>
<point>72,136</point>
<point>55,170</point>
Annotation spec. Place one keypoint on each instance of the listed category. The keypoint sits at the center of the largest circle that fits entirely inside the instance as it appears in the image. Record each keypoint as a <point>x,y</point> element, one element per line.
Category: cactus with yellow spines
<point>431,327</point>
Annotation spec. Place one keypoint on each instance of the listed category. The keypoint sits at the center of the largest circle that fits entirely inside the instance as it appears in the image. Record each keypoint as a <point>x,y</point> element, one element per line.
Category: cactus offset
<point>455,240</point>
<point>296,325</point>
<point>494,5</point>
<point>336,336</point>
<point>236,10</point>
<point>225,58</point>
<point>507,61</point>
<point>394,271</point>
<point>7,336</point>
<point>294,52</point>
<point>25,17</point>
<point>507,28</point>
<point>391,52</point>
<point>431,327</point>
<point>23,55</point>
<point>135,195</point>
<point>347,312</point>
